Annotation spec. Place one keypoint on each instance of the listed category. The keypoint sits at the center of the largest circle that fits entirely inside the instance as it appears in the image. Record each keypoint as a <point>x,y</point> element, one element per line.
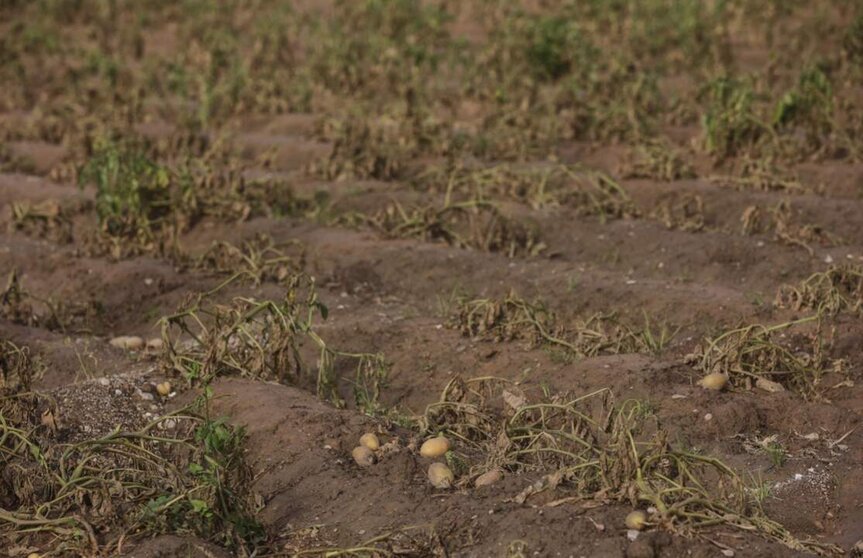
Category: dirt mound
<point>310,484</point>
<point>611,251</point>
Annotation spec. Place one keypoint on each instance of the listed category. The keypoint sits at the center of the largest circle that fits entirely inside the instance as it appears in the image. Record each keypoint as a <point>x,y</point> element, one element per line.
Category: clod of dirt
<point>714,382</point>
<point>370,440</point>
<point>636,520</point>
<point>363,456</point>
<point>128,342</point>
<point>487,478</point>
<point>640,548</point>
<point>435,447</point>
<point>164,388</point>
<point>440,475</point>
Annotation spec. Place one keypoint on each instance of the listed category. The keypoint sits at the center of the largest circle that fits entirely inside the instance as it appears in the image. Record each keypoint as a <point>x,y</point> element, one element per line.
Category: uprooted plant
<point>782,354</point>
<point>182,472</point>
<point>588,192</point>
<point>764,175</point>
<point>379,148</point>
<point>82,494</point>
<point>683,212</point>
<point>785,224</point>
<point>15,304</point>
<point>262,339</point>
<point>18,367</point>
<point>657,160</point>
<point>45,219</point>
<point>514,318</point>
<point>258,259</point>
<point>593,451</point>
<point>838,289</point>
<point>474,224</point>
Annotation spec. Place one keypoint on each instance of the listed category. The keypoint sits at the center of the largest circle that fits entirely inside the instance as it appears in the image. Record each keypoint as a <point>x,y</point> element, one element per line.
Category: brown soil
<point>383,297</point>
<point>393,296</point>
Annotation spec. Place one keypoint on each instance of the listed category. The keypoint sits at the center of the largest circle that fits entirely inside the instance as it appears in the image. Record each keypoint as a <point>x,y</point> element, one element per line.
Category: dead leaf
<point>547,482</point>
<point>49,420</point>
<point>514,398</point>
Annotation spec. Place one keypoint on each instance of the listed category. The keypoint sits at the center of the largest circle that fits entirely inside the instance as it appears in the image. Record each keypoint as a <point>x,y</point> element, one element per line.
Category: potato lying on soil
<point>164,389</point>
<point>714,382</point>
<point>370,441</point>
<point>155,344</point>
<point>440,475</point>
<point>487,478</point>
<point>363,456</point>
<point>636,520</point>
<point>435,447</point>
<point>128,342</point>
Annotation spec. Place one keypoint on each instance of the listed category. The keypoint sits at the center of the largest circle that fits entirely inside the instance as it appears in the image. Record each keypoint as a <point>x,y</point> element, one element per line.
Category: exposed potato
<point>370,440</point>
<point>155,344</point>
<point>636,520</point>
<point>128,342</point>
<point>363,456</point>
<point>163,389</point>
<point>440,475</point>
<point>715,381</point>
<point>487,478</point>
<point>435,447</point>
<point>769,385</point>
